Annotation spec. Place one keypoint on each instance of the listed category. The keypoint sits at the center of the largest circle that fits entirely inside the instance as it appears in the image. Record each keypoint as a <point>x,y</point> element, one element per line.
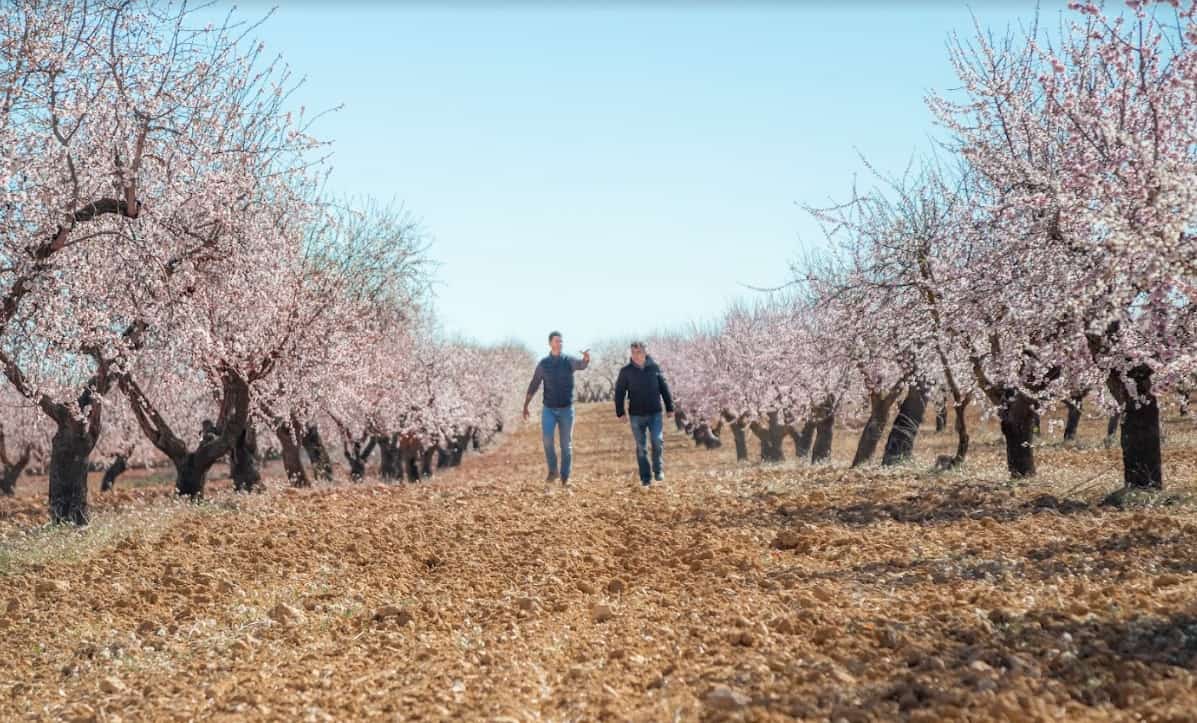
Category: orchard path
<point>479,596</point>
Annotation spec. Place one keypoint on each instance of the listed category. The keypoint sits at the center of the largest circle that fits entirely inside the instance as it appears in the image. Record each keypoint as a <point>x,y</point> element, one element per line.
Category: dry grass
<point>900,594</point>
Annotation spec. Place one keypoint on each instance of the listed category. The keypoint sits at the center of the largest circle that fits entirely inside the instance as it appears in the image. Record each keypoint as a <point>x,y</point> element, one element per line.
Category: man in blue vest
<point>557,372</point>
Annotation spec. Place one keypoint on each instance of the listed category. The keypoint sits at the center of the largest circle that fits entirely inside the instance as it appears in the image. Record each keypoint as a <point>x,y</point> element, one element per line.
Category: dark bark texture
<point>1142,466</point>
<point>900,445</point>
<point>870,436</point>
<point>824,428</point>
<point>244,465</point>
<point>114,470</point>
<point>1017,416</point>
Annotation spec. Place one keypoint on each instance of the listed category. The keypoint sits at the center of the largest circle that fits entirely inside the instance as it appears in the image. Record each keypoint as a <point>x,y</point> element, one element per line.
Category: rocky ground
<point>733,591</point>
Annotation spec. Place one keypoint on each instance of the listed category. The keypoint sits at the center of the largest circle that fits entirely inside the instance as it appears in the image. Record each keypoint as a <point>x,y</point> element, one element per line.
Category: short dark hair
<point>553,334</point>
<point>639,345</point>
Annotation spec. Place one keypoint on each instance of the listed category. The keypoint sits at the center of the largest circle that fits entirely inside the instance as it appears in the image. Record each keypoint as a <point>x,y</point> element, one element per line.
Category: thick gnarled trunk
<point>313,444</point>
<point>244,465</point>
<point>358,454</point>
<point>824,428</point>
<point>737,426</point>
<point>291,456</point>
<point>389,468</point>
<point>771,437</point>
<point>191,474</point>
<point>70,449</point>
<point>1017,416</point>
<point>1142,465</point>
<point>870,436</point>
<point>900,445</point>
<point>705,437</point>
<point>192,465</point>
<point>803,439</point>
<point>409,460</point>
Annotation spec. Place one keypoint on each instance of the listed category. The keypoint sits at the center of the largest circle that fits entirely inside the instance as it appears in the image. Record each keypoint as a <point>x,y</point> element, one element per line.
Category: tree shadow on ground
<point>1121,555</point>
<point>1045,655</point>
<point>929,506</point>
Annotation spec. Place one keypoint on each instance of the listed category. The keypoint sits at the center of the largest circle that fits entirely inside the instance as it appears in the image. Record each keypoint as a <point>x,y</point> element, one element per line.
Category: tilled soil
<point>731,591</point>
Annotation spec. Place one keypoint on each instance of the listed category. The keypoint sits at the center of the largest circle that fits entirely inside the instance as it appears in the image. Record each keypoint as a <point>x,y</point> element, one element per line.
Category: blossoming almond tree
<point>132,143</point>
<point>1084,148</point>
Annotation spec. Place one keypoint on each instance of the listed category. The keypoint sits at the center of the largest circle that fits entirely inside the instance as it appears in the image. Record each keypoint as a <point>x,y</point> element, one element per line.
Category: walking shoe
<point>551,478</point>
<point>660,477</point>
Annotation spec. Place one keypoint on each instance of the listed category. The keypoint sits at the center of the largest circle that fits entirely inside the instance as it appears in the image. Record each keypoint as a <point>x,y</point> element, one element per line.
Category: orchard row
<point>1046,256</point>
<point>177,285</point>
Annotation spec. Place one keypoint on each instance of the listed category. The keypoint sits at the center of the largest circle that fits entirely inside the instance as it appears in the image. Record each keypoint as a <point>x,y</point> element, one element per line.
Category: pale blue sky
<point>610,169</point>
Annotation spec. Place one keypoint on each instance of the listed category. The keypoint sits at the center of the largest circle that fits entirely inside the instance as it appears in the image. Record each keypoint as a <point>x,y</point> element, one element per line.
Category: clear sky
<point>609,169</point>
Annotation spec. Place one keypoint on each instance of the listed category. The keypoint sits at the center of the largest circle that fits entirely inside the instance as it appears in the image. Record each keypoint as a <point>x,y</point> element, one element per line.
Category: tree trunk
<point>821,451</point>
<point>12,469</point>
<point>740,439</point>
<point>1141,457</point>
<point>1017,416</point>
<point>870,436</point>
<point>426,462</point>
<point>458,448</point>
<point>1112,427</point>
<point>114,470</point>
<point>941,418</point>
<point>442,457</point>
<point>705,438</point>
<point>322,469</point>
<point>191,474</point>
<point>961,420</point>
<point>900,445</point>
<point>1035,421</point>
<point>1074,417</point>
<point>389,468</point>
<point>771,438</point>
<point>69,450</point>
<point>411,463</point>
<point>244,467</point>
<point>804,440</point>
<point>292,460</point>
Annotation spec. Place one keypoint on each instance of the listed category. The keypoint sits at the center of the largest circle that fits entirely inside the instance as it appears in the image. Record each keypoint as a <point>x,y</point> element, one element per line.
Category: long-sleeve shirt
<point>557,374</point>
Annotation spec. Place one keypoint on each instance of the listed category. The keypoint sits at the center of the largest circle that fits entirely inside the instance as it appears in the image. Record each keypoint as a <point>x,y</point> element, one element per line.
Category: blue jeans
<point>563,419</point>
<point>654,426</point>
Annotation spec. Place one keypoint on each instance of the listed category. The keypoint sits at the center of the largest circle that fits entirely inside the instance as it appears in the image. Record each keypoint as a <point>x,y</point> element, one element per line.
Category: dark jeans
<point>652,426</point>
<point>563,419</point>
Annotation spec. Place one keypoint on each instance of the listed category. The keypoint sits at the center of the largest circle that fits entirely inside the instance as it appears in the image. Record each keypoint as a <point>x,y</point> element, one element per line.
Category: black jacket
<point>644,386</point>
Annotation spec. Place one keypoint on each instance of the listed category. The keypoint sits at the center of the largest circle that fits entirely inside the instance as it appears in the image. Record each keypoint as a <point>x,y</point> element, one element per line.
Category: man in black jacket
<point>644,385</point>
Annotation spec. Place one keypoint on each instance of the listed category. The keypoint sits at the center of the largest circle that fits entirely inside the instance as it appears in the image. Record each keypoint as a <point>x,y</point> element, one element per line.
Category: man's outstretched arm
<point>580,365</point>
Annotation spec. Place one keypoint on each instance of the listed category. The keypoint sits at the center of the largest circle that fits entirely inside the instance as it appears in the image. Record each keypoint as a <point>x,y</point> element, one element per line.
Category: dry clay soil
<point>731,591</point>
